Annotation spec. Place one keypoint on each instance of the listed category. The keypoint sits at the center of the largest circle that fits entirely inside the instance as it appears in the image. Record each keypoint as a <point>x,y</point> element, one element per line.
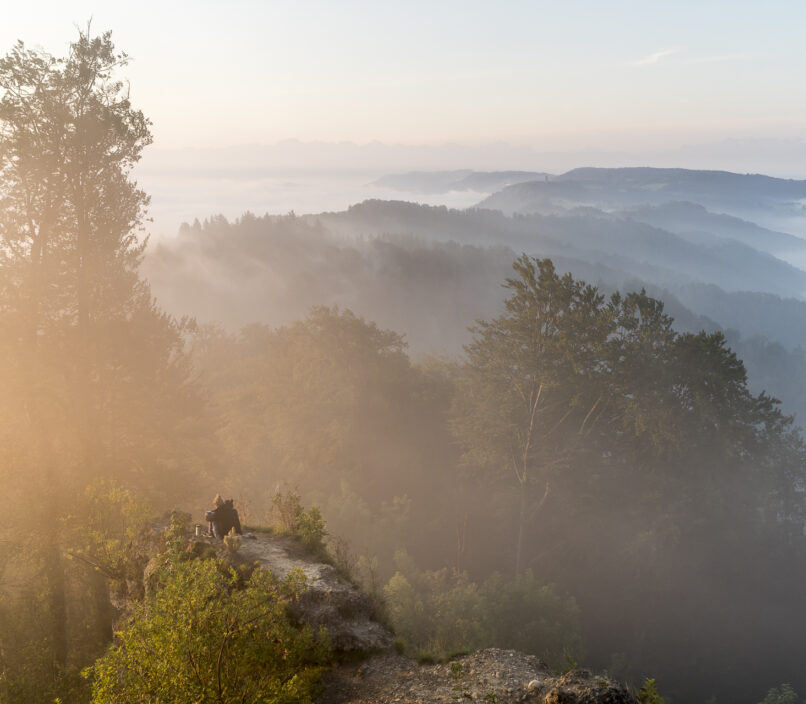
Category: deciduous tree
<point>531,386</point>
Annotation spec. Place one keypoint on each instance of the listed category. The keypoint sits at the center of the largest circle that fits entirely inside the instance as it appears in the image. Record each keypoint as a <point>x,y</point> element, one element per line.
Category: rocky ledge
<point>375,674</point>
<point>330,602</point>
<point>492,676</point>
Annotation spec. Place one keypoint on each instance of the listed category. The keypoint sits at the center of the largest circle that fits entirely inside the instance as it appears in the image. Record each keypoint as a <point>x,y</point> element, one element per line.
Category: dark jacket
<point>224,519</point>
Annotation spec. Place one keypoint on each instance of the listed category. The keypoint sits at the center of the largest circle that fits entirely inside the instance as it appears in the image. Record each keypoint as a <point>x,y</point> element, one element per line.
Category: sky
<point>621,75</point>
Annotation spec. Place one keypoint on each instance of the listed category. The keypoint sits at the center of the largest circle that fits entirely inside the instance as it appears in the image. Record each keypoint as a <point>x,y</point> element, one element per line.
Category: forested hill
<point>709,183</point>
<point>702,181</point>
<point>695,222</point>
<point>430,272</point>
<point>623,242</point>
<point>775,203</point>
<point>349,245</point>
<point>746,194</point>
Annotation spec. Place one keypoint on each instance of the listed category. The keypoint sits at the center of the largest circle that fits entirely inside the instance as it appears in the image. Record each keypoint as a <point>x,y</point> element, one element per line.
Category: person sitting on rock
<point>223,518</point>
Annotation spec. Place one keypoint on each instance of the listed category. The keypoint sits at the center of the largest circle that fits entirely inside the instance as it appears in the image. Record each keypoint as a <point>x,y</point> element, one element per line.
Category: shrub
<point>201,637</point>
<point>648,694</point>
<point>444,612</point>
<point>176,535</point>
<point>286,509</point>
<point>311,530</point>
<point>308,525</point>
<point>783,695</point>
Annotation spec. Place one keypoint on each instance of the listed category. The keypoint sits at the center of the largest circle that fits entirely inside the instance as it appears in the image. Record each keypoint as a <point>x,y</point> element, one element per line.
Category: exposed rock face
<point>492,676</point>
<point>331,601</point>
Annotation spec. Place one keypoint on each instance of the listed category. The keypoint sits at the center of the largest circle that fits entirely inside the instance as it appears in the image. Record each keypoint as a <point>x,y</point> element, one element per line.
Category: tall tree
<point>94,376</point>
<point>70,214</point>
<point>100,362</point>
<point>531,384</point>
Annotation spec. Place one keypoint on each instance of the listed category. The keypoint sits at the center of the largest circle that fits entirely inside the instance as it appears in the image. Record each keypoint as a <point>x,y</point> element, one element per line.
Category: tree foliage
<point>95,380</point>
<point>784,694</point>
<point>305,524</point>
<point>442,612</point>
<point>99,370</point>
<point>531,384</point>
<point>332,406</point>
<point>206,637</point>
<point>567,389</point>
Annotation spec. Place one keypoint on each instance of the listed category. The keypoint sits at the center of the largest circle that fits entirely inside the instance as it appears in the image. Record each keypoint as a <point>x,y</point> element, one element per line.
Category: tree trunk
<point>84,336</point>
<point>104,616</point>
<point>57,603</point>
<point>521,529</point>
<point>461,540</point>
<point>50,512</point>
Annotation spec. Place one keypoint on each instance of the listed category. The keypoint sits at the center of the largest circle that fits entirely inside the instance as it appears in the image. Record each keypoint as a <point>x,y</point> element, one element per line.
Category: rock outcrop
<point>330,602</point>
<point>373,673</point>
<point>492,676</point>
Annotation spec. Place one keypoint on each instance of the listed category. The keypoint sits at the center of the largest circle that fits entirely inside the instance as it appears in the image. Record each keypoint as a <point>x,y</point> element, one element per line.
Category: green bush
<point>286,509</point>
<point>648,694</point>
<point>311,530</point>
<point>308,525</point>
<point>444,612</point>
<point>201,637</point>
<point>783,695</point>
<point>176,535</point>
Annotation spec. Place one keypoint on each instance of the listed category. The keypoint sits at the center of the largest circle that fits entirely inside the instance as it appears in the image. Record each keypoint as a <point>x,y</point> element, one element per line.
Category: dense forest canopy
<point>586,480</point>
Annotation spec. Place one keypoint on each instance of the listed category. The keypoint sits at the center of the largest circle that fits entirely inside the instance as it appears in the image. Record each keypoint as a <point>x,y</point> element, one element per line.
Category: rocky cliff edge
<point>372,672</point>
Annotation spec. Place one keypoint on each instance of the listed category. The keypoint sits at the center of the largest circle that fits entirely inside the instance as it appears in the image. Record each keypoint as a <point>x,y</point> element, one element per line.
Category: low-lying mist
<point>315,177</point>
<point>430,273</point>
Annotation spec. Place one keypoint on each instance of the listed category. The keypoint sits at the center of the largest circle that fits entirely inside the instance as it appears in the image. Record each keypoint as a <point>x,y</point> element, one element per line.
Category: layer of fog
<point>179,198</point>
<point>319,177</point>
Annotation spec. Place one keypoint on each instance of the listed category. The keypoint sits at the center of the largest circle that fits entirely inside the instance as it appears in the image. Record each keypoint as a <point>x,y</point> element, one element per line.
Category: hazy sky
<point>585,74</point>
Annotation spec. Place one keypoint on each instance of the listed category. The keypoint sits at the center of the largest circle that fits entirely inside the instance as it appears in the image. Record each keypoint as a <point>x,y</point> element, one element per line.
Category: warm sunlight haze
<point>402,353</point>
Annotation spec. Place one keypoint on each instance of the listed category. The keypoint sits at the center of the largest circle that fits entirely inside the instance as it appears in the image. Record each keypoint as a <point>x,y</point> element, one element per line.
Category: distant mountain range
<point>749,196</point>
<point>752,197</point>
<point>784,157</point>
<point>463,180</point>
